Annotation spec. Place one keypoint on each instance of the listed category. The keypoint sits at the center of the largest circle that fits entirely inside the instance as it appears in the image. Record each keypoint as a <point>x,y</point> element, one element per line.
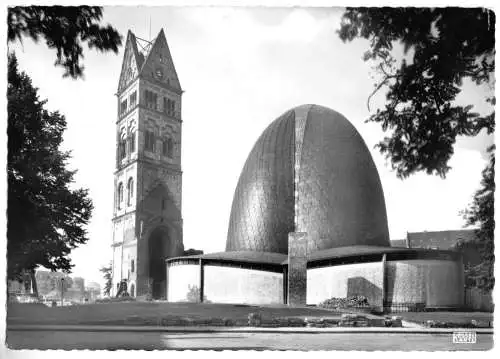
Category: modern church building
<point>308,219</point>
<point>310,192</point>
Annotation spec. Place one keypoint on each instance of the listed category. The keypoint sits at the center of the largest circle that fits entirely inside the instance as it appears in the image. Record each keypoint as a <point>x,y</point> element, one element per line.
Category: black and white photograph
<point>248,178</point>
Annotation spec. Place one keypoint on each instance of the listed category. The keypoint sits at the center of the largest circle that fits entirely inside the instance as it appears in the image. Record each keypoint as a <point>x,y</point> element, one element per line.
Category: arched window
<point>130,191</point>
<point>150,141</point>
<point>151,99</point>
<point>170,147</point>
<point>169,111</point>
<point>122,149</point>
<point>164,149</point>
<point>120,195</point>
<point>131,142</point>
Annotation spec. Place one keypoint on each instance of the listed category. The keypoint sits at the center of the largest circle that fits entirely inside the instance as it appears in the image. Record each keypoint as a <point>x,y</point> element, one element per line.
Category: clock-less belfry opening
<point>308,222</point>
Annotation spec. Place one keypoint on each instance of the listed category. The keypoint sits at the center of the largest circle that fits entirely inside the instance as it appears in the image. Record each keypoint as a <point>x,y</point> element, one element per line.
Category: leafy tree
<point>65,29</point>
<point>443,46</point>
<point>482,213</point>
<point>107,273</point>
<point>46,217</point>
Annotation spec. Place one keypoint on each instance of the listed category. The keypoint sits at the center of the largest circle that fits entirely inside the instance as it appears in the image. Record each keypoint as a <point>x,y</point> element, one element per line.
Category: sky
<point>240,69</point>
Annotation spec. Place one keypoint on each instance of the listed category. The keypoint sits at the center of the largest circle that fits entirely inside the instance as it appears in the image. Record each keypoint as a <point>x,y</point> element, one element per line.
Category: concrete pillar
<point>202,281</point>
<point>166,279</point>
<point>385,284</point>
<point>297,268</point>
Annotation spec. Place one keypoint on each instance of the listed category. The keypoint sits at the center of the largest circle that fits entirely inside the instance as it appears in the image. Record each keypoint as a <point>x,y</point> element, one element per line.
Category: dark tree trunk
<point>34,287</point>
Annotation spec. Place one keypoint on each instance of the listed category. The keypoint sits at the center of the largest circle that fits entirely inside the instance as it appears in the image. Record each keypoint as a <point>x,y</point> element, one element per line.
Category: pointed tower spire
<point>159,65</point>
<point>132,62</point>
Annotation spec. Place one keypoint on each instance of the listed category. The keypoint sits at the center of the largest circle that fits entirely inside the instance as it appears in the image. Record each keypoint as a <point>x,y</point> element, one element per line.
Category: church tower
<point>147,220</point>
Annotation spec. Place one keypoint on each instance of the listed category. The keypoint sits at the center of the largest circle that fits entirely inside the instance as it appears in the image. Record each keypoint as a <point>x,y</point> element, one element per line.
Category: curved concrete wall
<point>437,283</point>
<point>240,285</point>
<point>341,281</point>
<point>433,282</point>
<point>183,282</point>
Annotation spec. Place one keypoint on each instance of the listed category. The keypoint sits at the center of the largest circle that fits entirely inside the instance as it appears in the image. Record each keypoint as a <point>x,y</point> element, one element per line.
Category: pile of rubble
<point>461,324</point>
<point>356,301</point>
<point>257,320</point>
<point>346,320</point>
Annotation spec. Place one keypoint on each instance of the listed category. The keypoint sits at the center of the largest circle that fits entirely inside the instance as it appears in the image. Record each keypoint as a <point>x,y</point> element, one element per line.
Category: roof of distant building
<point>439,239</point>
<point>400,243</point>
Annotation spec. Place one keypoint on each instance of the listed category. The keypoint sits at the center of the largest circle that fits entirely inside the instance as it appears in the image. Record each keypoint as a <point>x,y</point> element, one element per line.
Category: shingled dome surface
<point>310,171</point>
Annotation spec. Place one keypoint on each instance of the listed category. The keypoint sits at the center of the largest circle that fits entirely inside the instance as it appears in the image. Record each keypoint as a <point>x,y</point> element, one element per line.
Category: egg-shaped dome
<point>310,171</point>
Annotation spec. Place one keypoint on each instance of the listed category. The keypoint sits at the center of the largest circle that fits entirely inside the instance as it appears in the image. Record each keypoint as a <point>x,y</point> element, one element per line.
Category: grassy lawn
<point>116,313</point>
<point>450,317</point>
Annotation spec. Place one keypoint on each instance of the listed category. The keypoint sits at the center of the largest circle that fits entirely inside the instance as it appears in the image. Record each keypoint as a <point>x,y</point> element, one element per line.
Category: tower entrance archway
<point>159,248</point>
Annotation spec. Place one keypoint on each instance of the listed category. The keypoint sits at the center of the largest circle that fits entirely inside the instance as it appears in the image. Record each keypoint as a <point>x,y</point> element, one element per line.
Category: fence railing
<point>475,299</point>
<point>400,307</point>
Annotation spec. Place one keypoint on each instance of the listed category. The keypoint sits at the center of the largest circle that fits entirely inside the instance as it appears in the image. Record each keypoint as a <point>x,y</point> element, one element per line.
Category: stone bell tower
<point>147,219</point>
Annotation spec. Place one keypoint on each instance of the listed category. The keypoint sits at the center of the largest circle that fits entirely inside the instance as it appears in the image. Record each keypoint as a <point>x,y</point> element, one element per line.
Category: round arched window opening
<point>120,195</point>
<point>130,191</point>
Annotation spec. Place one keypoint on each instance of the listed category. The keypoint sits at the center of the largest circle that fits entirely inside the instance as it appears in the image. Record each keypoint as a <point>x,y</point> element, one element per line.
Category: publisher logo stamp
<point>465,337</point>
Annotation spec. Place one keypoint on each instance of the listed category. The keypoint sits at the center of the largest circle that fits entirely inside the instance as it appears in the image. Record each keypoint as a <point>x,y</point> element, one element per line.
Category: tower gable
<point>159,65</point>
<point>132,62</point>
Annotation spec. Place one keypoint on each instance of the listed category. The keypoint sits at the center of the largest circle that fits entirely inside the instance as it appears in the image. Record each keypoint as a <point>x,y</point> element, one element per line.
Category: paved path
<point>416,329</point>
<point>18,339</point>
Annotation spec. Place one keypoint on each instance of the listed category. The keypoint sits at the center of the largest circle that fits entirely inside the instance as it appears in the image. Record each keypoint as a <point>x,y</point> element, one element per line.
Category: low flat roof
<point>277,259</point>
<point>352,251</point>
<point>240,256</point>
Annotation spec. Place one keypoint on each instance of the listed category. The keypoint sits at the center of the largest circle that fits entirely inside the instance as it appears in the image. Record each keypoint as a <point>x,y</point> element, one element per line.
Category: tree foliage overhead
<point>443,46</point>
<point>46,217</point>
<point>65,29</point>
<point>481,213</point>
